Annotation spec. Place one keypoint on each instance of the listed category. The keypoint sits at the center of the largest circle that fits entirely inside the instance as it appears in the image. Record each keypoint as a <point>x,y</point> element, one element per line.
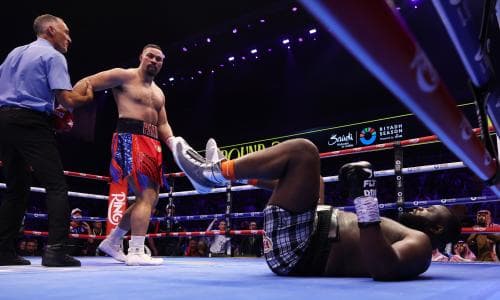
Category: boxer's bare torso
<point>137,99</point>
<point>345,257</point>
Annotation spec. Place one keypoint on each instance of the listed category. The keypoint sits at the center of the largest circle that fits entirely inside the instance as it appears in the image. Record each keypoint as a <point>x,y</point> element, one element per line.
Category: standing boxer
<point>136,148</point>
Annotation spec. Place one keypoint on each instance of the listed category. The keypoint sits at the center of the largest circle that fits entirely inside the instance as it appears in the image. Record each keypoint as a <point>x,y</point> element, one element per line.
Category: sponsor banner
<point>353,135</point>
<point>236,151</point>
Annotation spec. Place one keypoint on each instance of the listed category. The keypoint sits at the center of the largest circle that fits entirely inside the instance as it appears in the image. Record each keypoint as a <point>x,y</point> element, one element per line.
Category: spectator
<point>163,227</point>
<point>251,245</point>
<point>92,244</point>
<point>438,256</point>
<point>175,246</point>
<point>462,253</point>
<point>219,244</point>
<point>21,248</point>
<point>192,249</point>
<point>98,228</point>
<point>484,219</point>
<point>483,245</point>
<point>202,248</point>
<point>153,227</point>
<point>77,246</point>
<point>32,248</point>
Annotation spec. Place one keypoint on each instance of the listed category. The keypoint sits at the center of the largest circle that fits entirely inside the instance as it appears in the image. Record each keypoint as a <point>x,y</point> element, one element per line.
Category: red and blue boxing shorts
<point>136,154</point>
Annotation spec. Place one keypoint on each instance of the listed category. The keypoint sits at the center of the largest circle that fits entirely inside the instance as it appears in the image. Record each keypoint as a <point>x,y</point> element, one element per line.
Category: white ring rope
<point>72,194</point>
<point>381,173</point>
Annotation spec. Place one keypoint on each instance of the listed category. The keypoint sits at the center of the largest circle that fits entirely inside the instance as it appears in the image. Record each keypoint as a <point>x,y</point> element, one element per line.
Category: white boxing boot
<point>137,257</point>
<point>112,249</point>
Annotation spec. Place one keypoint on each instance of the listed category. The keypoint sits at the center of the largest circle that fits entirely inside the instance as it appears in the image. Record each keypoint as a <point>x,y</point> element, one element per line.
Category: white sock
<point>116,235</point>
<point>136,243</point>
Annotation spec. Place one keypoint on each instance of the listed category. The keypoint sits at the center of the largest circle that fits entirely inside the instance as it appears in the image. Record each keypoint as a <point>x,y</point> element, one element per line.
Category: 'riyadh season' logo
<point>367,136</point>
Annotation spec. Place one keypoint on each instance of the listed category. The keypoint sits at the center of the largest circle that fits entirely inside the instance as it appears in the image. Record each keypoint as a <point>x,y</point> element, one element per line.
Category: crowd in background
<point>422,187</point>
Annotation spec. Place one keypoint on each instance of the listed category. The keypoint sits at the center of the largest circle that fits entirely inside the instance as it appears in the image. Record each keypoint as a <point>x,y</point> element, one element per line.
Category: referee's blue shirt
<point>30,74</point>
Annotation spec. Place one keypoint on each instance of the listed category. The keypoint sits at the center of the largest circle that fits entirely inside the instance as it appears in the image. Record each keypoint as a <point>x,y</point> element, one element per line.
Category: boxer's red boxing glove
<point>63,119</point>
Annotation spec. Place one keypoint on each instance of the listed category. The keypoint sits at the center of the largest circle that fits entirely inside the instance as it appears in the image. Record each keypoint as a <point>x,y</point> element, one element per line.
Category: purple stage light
<point>253,51</point>
<point>415,3</point>
<point>285,41</point>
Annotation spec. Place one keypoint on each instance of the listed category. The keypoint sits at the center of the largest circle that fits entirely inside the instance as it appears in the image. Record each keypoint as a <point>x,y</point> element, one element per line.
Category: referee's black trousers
<point>28,145</point>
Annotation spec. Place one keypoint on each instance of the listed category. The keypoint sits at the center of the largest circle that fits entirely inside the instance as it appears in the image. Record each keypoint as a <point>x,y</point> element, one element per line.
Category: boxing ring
<point>244,277</point>
<point>234,278</point>
<point>250,278</point>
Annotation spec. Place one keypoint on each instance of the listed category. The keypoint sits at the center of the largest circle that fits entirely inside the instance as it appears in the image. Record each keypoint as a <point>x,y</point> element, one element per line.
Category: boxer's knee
<point>305,151</point>
<point>148,196</point>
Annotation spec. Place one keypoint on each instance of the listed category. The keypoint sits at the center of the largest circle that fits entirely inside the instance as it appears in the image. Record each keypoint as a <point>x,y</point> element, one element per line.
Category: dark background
<point>314,84</point>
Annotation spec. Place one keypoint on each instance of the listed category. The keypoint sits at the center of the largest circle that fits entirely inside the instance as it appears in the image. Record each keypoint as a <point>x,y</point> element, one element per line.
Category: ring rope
<point>465,230</point>
<point>174,218</point>
<point>156,235</point>
<point>87,176</point>
<point>72,194</point>
<point>335,178</point>
<point>381,173</point>
<point>476,229</point>
<point>382,206</point>
<point>45,217</point>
